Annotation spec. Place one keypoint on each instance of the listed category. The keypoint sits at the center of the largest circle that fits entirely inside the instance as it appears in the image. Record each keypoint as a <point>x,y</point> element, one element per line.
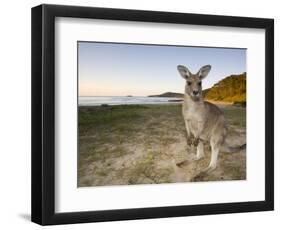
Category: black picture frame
<point>43,114</point>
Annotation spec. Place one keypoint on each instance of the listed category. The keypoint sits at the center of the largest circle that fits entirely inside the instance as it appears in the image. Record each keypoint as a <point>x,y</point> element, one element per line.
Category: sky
<point>118,69</point>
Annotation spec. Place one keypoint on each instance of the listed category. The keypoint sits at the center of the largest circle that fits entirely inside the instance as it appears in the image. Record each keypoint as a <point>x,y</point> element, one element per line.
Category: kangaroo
<point>203,120</point>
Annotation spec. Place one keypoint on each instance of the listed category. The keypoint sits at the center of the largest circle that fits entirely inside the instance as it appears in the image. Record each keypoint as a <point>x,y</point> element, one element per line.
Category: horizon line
<point>129,95</point>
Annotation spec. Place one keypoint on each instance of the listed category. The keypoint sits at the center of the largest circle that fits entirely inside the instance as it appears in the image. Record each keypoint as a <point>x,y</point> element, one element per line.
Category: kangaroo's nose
<point>195,92</point>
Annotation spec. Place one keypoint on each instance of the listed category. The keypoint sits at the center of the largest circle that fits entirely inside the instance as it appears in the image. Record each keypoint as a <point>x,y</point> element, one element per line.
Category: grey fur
<point>203,120</point>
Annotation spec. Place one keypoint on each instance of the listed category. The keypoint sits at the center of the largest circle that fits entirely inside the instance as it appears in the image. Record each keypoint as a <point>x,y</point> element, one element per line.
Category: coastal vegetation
<point>231,89</point>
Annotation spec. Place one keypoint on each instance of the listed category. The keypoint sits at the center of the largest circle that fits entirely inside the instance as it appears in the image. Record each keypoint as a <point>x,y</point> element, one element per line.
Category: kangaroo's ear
<point>204,71</point>
<point>184,72</point>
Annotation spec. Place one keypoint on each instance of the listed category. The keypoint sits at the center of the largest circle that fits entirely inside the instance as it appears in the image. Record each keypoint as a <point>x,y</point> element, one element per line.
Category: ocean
<point>99,100</point>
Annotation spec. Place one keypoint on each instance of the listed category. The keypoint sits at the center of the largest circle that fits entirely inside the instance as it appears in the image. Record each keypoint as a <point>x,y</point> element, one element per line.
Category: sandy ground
<point>147,148</point>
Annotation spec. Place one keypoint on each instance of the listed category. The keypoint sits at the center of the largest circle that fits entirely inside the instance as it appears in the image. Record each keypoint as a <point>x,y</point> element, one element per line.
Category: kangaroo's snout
<point>195,92</point>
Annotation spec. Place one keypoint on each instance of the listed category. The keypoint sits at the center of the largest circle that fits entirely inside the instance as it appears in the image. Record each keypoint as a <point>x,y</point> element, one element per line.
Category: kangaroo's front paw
<point>195,142</point>
<point>189,141</point>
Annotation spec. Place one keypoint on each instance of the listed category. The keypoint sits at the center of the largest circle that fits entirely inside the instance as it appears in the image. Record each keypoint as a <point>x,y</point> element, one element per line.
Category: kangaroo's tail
<point>232,149</point>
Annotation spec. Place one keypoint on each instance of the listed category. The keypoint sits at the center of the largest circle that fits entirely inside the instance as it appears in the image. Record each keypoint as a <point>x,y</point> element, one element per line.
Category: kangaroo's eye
<point>189,82</point>
<point>199,83</point>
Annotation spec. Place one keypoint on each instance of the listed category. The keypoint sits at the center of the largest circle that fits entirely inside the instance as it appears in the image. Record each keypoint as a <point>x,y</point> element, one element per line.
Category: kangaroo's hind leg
<point>200,150</point>
<point>213,163</point>
<point>215,142</point>
<point>214,157</point>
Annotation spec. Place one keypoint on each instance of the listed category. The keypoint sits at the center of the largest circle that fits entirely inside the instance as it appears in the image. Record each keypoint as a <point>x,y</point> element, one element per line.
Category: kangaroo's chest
<point>194,116</point>
<point>194,113</point>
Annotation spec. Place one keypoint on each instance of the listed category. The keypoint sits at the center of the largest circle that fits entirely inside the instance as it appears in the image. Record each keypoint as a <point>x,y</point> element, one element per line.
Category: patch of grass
<point>102,172</point>
<point>142,168</point>
<point>235,115</point>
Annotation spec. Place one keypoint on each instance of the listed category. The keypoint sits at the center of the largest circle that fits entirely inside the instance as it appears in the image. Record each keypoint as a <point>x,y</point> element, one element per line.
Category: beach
<point>143,144</point>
